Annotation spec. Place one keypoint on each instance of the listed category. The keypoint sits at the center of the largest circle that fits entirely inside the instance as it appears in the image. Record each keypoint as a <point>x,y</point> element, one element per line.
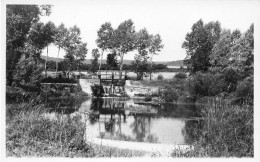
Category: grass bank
<point>30,134</point>
<point>226,131</point>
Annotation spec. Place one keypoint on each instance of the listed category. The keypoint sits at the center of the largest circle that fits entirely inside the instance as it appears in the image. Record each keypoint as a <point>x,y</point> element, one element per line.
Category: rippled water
<point>133,120</point>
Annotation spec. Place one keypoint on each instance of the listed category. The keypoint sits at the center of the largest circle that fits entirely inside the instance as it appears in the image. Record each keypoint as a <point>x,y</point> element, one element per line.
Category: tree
<point>60,37</point>
<point>41,36</point>
<point>143,42</point>
<point>124,40</point>
<point>199,43</point>
<point>155,46</point>
<point>19,19</point>
<point>220,57</point>
<point>147,45</point>
<point>80,54</point>
<point>71,45</point>
<point>94,61</point>
<point>104,40</point>
<point>112,60</point>
<point>242,53</point>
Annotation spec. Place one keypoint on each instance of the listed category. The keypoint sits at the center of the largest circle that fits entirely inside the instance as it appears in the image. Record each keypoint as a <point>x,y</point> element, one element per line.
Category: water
<point>133,120</point>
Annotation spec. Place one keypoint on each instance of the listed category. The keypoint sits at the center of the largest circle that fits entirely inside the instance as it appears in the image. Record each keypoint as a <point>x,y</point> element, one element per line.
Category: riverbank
<point>226,131</point>
<point>30,134</point>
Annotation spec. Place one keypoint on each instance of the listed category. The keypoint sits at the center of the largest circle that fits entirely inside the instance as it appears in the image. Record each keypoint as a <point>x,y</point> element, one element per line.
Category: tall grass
<point>227,131</point>
<point>30,133</point>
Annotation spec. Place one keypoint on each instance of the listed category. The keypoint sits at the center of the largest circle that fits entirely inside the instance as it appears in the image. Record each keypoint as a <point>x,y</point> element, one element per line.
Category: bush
<point>180,76</point>
<point>205,84</point>
<point>148,98</point>
<point>59,80</point>
<point>231,79</point>
<point>245,91</point>
<point>160,77</point>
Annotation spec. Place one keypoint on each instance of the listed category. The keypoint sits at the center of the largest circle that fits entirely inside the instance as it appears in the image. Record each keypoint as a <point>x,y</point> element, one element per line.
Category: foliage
<point>28,69</point>
<point>58,80</point>
<point>124,39</point>
<point>60,37</point>
<point>94,61</point>
<point>160,77</point>
<point>112,61</point>
<point>205,84</point>
<point>80,54</point>
<point>35,134</point>
<point>226,131</point>
<point>242,54</point>
<point>141,59</point>
<point>221,52</point>
<point>199,43</point>
<point>19,19</point>
<point>245,92</point>
<point>180,76</point>
<point>73,48</point>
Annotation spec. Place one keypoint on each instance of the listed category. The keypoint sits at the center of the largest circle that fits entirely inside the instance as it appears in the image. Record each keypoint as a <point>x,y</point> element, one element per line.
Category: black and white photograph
<point>131,79</point>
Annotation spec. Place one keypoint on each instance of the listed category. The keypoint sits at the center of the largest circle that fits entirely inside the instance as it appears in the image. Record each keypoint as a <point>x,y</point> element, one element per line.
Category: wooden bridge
<point>112,77</point>
<point>112,82</point>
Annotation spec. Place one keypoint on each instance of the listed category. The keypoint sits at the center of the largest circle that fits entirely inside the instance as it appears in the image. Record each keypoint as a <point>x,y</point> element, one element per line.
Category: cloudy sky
<point>171,19</point>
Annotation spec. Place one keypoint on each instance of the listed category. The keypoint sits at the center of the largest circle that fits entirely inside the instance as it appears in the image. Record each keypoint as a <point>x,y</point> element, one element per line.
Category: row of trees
<point>27,37</point>
<point>125,39</point>
<point>220,60</point>
<point>62,66</point>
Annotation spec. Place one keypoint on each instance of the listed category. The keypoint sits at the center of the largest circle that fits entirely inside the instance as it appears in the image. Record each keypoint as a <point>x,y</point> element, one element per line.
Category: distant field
<point>166,75</point>
<point>132,75</point>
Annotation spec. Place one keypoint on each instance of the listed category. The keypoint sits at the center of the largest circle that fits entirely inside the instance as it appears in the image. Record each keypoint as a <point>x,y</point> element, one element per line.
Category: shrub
<point>180,76</point>
<point>148,98</point>
<point>231,79</point>
<point>205,84</point>
<point>160,77</point>
<point>245,91</point>
<point>169,94</point>
<point>58,80</point>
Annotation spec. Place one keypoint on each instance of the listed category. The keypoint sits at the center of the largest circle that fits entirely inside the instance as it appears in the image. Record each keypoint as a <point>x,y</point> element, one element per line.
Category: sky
<point>171,19</point>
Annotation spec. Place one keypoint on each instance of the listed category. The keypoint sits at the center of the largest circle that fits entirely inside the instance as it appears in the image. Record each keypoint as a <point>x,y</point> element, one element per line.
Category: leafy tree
<point>112,60</point>
<point>41,36</point>
<point>199,43</point>
<point>71,45</point>
<point>124,40</point>
<point>60,37</point>
<point>19,19</point>
<point>28,71</point>
<point>143,42</point>
<point>242,53</point>
<point>155,46</point>
<point>80,54</point>
<point>221,52</point>
<point>94,61</point>
<point>105,39</point>
<point>69,61</point>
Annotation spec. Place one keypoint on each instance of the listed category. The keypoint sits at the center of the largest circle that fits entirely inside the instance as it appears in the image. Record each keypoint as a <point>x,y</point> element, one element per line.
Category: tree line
<point>27,37</point>
<point>51,66</point>
<point>220,61</point>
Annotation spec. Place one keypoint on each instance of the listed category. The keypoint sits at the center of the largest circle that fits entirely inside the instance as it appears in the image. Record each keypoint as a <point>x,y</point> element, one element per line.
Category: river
<point>132,119</point>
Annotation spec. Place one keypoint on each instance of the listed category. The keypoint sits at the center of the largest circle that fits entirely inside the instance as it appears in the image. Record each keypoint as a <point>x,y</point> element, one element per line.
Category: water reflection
<point>133,120</point>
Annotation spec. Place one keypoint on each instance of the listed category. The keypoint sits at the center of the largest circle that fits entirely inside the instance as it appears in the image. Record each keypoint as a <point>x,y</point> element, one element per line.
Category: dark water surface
<point>133,120</point>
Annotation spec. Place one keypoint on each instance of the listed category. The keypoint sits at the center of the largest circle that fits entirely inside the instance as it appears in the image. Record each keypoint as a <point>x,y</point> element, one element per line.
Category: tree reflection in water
<point>192,130</point>
<point>142,129</point>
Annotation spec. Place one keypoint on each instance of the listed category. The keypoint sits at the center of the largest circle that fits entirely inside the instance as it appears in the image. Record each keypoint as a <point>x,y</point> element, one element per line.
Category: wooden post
<point>112,86</point>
